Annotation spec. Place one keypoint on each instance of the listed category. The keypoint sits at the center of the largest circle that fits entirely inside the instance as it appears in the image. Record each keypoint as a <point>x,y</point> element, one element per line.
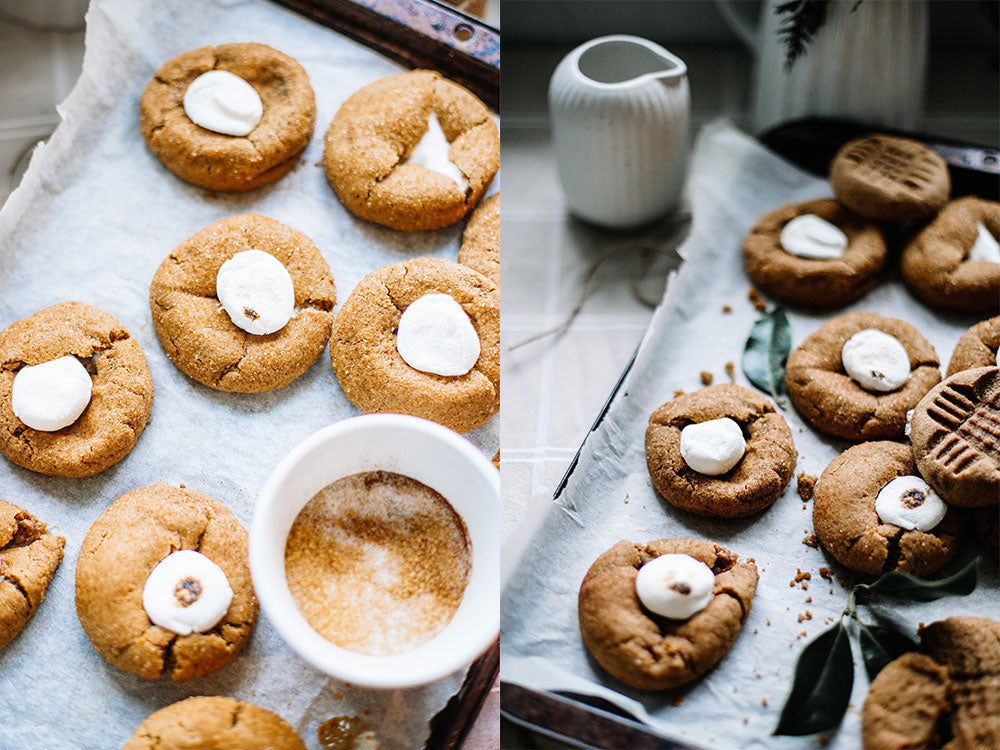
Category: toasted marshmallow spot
<point>809,236</point>
<point>910,503</point>
<point>876,360</point>
<point>712,447</point>
<point>186,593</point>
<point>436,335</point>
<point>51,395</point>
<point>256,290</point>
<point>675,586</point>
<point>223,102</point>
<point>985,248</point>
<point>432,153</point>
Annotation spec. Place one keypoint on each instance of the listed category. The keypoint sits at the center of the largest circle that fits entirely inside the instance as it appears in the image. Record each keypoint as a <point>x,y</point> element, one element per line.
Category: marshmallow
<point>223,102</point>
<point>256,290</point>
<point>712,447</point>
<point>876,360</point>
<point>51,395</point>
<point>432,153</point>
<point>435,335</point>
<point>186,593</point>
<point>908,502</point>
<point>985,247</point>
<point>674,586</point>
<point>809,236</point>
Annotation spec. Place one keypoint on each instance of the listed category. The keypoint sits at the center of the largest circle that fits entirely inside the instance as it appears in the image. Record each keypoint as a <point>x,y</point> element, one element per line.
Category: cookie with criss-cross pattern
<point>885,178</point>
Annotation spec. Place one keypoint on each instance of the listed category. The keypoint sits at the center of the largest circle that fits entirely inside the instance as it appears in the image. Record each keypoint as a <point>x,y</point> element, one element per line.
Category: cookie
<point>752,484</point>
<point>815,282</point>
<point>834,403</point>
<point>122,548</point>
<point>885,178</point>
<point>121,398</point>
<point>987,523</point>
<point>936,264</point>
<point>376,130</point>
<point>201,338</point>
<point>978,347</point>
<point>650,652</point>
<point>225,162</point>
<point>376,378</point>
<point>29,556</point>
<point>214,723</point>
<point>955,433</point>
<point>946,697</point>
<point>481,241</point>
<point>848,526</point>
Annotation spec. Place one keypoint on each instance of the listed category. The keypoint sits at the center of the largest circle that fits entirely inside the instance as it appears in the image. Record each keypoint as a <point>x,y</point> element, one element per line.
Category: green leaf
<point>824,675</point>
<point>880,645</point>
<point>905,586</point>
<point>766,352</point>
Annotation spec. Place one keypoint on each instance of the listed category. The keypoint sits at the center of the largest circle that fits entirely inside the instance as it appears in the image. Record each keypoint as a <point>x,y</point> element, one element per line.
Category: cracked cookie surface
<point>815,282</point>
<point>832,402</point>
<point>119,552</point>
<point>29,556</point>
<point>214,723</point>
<point>121,398</point>
<point>378,127</point>
<point>199,336</point>
<point>225,162</point>
<point>977,347</point>
<point>847,525</point>
<point>750,486</point>
<point>375,377</point>
<point>481,240</point>
<point>645,650</point>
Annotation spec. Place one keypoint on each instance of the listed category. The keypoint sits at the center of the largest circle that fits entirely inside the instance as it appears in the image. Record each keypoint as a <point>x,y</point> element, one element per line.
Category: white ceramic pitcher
<point>620,108</point>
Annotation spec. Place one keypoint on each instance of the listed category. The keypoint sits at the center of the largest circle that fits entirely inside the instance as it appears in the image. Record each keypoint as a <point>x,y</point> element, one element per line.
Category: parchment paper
<point>733,181</point>
<point>94,217</point>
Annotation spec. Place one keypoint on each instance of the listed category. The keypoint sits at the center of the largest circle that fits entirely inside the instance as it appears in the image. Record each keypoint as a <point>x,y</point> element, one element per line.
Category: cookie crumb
<point>678,393</point>
<point>826,573</point>
<point>809,600</point>
<point>768,623</point>
<point>746,720</point>
<point>727,309</point>
<point>676,700</point>
<point>706,377</point>
<point>731,370</point>
<point>763,702</point>
<point>805,485</point>
<point>755,631</point>
<point>807,615</point>
<point>626,498</point>
<point>759,303</point>
<point>811,540</point>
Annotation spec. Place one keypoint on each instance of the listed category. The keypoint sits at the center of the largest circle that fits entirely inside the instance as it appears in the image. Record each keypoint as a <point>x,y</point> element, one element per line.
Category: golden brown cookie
<point>378,127</point>
<point>749,487</point>
<point>29,556</point>
<point>886,178</point>
<point>936,265</point>
<point>645,650</point>
<point>955,432</point>
<point>120,403</point>
<point>815,282</point>
<point>847,525</point>
<point>225,162</point>
<point>214,723</point>
<point>947,698</point>
<point>481,241</point>
<point>200,337</point>
<point>119,552</point>
<point>833,403</point>
<point>977,348</point>
<point>375,377</point>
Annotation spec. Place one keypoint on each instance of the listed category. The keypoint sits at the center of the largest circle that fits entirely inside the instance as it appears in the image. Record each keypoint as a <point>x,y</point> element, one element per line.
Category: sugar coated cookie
<point>481,241</point>
<point>978,347</point>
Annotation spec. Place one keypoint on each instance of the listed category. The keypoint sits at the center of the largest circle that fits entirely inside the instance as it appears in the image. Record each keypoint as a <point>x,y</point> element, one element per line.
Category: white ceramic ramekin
<point>427,452</point>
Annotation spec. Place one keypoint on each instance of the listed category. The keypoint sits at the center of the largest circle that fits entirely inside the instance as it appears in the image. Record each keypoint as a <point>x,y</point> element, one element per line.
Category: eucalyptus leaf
<point>880,645</point>
<point>905,586</point>
<point>766,352</point>
<point>821,690</point>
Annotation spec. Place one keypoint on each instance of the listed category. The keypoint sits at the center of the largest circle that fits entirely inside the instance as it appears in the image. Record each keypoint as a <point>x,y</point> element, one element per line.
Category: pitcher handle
<point>738,22</point>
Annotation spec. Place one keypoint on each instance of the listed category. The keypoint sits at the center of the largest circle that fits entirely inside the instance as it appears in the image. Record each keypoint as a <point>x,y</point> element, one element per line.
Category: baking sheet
<point>733,181</point>
<point>94,217</point>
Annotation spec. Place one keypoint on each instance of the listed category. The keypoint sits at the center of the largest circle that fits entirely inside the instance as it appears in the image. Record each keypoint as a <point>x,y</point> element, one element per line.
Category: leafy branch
<point>766,352</point>
<point>803,19</point>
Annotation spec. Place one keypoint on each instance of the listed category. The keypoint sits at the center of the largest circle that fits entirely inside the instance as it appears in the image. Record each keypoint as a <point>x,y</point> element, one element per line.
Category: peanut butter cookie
<point>215,160</point>
<point>977,348</point>
<point>833,402</point>
<point>833,279</point>
<point>214,723</point>
<point>121,397</point>
<point>377,129</point>
<point>119,552</point>
<point>943,266</point>
<point>645,650</point>
<point>201,338</point>
<point>29,556</point>
<point>481,241</point>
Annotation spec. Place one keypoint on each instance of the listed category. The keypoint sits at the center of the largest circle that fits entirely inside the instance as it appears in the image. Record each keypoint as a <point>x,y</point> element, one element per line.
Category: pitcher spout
<point>623,60</point>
